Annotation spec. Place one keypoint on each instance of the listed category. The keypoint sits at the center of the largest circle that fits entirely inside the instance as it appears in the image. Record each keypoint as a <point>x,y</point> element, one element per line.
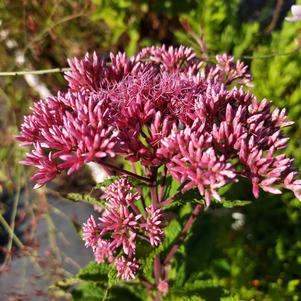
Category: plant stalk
<point>171,199</point>
<point>125,172</point>
<point>182,236</point>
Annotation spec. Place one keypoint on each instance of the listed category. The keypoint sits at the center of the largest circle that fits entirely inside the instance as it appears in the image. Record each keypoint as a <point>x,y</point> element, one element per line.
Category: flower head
<point>103,250</point>
<point>120,193</point>
<point>163,287</point>
<point>161,106</point>
<point>126,269</point>
<point>153,226</point>
<point>122,225</point>
<point>66,132</point>
<point>91,232</point>
<point>119,226</point>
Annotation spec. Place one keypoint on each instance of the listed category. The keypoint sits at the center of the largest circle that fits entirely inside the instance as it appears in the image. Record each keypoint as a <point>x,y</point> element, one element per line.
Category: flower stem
<point>146,283</point>
<point>125,172</point>
<point>182,236</point>
<point>162,184</point>
<point>157,268</point>
<point>137,211</point>
<point>157,272</point>
<point>139,189</point>
<point>154,197</point>
<point>171,199</point>
<point>153,187</point>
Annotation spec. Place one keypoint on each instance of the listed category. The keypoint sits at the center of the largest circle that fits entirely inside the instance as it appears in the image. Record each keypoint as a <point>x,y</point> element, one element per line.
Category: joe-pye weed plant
<point>187,128</point>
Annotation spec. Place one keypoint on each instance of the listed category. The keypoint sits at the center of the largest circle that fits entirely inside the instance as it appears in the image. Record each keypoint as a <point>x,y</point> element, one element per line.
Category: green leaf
<point>127,291</point>
<point>112,275</point>
<point>198,290</point>
<point>230,299</point>
<point>94,272</point>
<point>65,284</point>
<point>88,291</point>
<point>235,203</point>
<point>86,198</point>
<point>185,298</point>
<point>107,182</point>
<point>175,204</point>
<point>172,232</point>
<point>191,196</point>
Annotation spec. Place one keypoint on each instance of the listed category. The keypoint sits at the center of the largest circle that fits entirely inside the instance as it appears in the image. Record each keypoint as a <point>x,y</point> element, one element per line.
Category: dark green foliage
<point>89,291</point>
<point>98,282</point>
<point>94,272</point>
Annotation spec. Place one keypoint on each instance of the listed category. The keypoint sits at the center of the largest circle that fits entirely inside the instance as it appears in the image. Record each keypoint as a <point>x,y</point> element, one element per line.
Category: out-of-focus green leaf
<point>86,198</point>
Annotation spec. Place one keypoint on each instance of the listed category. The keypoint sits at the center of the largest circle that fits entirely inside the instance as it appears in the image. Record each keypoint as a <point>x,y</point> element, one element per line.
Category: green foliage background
<point>261,260</point>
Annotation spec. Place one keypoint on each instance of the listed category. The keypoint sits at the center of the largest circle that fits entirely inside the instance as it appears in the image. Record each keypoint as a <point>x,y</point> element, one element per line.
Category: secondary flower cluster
<point>163,106</point>
<point>117,230</point>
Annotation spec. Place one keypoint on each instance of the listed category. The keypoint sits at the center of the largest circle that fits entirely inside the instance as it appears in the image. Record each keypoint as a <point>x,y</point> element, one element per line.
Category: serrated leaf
<point>112,276</point>
<point>127,291</point>
<point>88,291</point>
<point>94,272</point>
<point>198,290</point>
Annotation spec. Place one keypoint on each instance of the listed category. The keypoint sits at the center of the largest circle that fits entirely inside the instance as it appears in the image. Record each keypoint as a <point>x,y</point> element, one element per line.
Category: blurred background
<point>254,252</point>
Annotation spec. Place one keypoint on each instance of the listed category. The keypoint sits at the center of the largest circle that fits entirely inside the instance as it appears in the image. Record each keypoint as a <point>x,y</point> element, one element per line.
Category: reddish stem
<point>137,211</point>
<point>154,197</point>
<point>123,171</point>
<point>157,268</point>
<point>153,188</point>
<point>134,170</point>
<point>162,184</point>
<point>146,283</point>
<point>171,199</point>
<point>186,228</point>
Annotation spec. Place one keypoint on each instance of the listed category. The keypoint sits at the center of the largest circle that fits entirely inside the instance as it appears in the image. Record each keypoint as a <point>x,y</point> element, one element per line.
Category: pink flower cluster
<point>119,227</point>
<point>163,106</point>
